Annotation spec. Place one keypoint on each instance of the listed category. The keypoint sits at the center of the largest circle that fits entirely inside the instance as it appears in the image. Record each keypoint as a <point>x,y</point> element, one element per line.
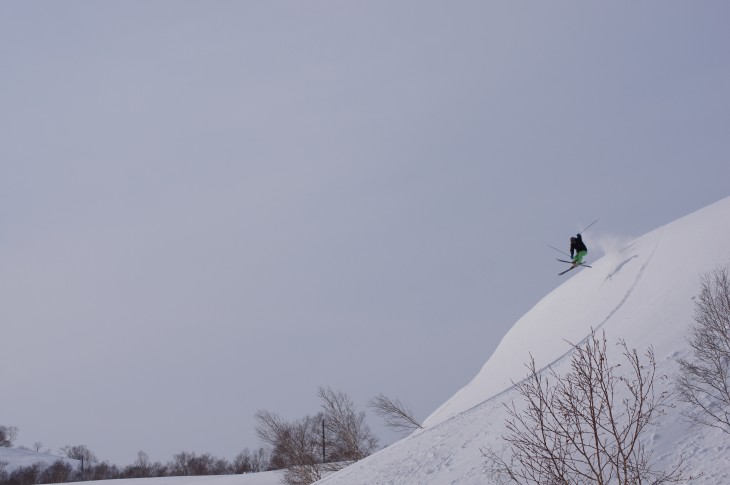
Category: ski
<point>581,264</point>
<point>572,267</point>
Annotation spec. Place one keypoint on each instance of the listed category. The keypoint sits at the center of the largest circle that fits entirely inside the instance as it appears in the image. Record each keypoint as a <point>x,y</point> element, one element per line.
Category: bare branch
<point>395,414</point>
<point>704,380</point>
<point>584,426</point>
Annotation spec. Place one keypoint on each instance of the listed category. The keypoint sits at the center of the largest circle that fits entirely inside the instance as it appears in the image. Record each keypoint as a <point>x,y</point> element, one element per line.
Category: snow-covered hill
<point>18,457</point>
<point>641,292</point>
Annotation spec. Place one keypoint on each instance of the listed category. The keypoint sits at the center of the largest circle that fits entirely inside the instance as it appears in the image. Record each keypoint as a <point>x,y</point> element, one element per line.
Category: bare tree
<point>79,452</point>
<point>315,445</point>
<point>260,460</point>
<point>585,426</point>
<point>191,464</point>
<point>141,468</point>
<point>295,446</point>
<point>26,475</point>
<point>8,435</point>
<point>395,414</point>
<point>58,472</point>
<point>242,462</point>
<point>353,439</point>
<point>248,462</point>
<point>103,471</point>
<point>704,381</point>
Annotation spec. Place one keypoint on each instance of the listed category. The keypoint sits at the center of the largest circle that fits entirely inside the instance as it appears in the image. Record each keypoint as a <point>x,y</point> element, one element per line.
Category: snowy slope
<point>17,457</point>
<point>642,293</point>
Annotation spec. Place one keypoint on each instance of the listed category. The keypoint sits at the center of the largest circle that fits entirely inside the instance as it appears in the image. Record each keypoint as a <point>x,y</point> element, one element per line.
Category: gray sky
<point>209,208</point>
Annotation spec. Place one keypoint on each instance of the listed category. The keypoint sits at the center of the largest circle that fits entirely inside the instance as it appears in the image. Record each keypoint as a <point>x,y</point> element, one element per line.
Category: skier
<point>579,248</point>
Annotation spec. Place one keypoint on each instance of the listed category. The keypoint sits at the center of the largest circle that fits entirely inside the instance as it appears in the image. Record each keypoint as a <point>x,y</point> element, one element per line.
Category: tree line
<point>306,448</point>
<point>182,464</point>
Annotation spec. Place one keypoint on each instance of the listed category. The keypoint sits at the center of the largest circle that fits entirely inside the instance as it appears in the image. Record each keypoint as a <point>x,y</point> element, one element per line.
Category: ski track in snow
<point>620,267</point>
<point>567,355</point>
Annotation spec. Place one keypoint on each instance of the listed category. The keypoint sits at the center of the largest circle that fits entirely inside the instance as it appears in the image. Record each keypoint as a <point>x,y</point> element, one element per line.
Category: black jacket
<point>576,245</point>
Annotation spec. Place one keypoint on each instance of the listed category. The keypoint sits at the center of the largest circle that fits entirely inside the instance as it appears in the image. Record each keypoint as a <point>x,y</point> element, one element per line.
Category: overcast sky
<point>209,208</point>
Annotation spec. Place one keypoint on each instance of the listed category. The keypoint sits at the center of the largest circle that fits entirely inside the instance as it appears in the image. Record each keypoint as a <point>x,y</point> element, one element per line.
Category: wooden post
<point>324,456</point>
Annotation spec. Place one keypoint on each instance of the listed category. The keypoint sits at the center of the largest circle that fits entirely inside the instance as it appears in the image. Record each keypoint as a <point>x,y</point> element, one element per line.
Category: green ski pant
<point>578,259</point>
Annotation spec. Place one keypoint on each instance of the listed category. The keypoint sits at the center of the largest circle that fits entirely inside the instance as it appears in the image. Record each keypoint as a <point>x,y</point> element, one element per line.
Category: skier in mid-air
<point>578,247</point>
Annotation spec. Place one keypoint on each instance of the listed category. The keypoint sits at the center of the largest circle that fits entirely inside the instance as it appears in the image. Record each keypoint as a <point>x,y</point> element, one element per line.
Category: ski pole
<point>558,250</point>
<point>589,225</point>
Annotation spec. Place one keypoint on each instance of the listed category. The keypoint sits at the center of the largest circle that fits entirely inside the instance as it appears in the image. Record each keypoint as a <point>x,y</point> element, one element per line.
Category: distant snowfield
<point>17,457</point>
<point>641,292</point>
<point>264,478</point>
